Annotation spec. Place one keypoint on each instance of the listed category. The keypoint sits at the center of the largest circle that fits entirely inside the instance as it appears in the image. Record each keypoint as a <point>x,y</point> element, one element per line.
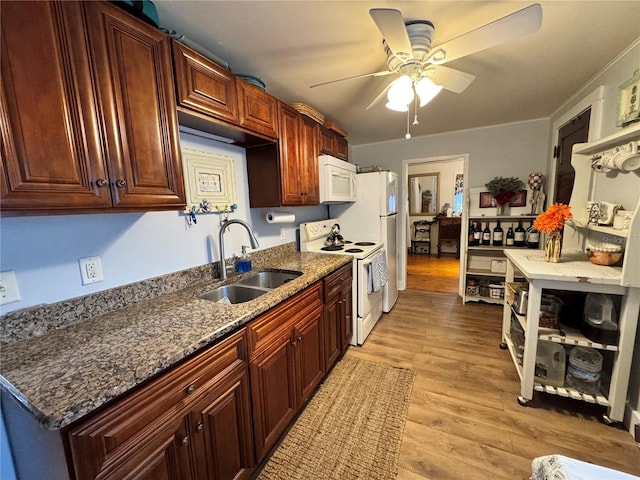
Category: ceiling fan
<point>407,44</point>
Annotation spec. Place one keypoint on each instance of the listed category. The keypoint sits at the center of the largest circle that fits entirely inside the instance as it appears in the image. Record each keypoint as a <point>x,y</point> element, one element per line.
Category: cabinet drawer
<point>280,320</point>
<point>334,282</point>
<point>146,410</point>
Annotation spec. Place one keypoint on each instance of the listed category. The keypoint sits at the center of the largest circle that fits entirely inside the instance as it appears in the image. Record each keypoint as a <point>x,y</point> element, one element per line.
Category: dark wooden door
<point>332,331</point>
<point>347,314</point>
<point>220,431</point>
<point>257,109</point>
<point>132,68</point>
<point>292,179</point>
<point>575,131</point>
<point>50,149</point>
<point>309,150</point>
<point>273,393</point>
<point>310,352</point>
<point>203,85</point>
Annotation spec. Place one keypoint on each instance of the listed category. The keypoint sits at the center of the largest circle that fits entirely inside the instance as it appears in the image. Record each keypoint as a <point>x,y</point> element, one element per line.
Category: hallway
<point>428,273</point>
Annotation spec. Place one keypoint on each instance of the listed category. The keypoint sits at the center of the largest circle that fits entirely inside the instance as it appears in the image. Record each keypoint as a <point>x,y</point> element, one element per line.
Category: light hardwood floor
<point>464,421</point>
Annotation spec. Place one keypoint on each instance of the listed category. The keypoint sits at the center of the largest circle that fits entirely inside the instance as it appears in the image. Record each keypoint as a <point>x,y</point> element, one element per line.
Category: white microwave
<point>338,181</point>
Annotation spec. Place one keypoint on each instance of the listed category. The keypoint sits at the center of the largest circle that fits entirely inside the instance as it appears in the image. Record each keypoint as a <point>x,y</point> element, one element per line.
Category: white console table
<point>575,273</point>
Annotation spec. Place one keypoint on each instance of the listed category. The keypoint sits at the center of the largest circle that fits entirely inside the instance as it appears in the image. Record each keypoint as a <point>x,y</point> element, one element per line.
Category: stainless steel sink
<point>235,293</point>
<point>271,278</point>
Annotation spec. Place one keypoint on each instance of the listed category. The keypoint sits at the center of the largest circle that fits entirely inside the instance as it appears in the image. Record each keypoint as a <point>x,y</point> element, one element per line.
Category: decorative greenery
<point>504,188</point>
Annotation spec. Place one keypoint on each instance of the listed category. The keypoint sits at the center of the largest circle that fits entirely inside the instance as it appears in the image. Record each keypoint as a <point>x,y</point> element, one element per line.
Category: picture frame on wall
<point>209,181</point>
<point>629,101</point>
<point>486,200</point>
<point>518,200</point>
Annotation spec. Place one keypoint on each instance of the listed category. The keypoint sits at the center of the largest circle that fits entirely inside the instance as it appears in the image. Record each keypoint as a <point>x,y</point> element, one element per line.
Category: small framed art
<point>629,100</point>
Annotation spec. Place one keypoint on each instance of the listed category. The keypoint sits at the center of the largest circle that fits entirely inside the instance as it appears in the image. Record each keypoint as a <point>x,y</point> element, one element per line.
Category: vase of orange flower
<point>552,223</point>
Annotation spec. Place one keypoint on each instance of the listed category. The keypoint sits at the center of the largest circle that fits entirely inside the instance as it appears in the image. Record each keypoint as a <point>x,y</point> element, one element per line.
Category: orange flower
<point>553,218</point>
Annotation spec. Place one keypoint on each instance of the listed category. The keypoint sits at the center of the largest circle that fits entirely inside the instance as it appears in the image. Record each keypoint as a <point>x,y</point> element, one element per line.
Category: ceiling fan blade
<point>451,79</point>
<point>380,95</point>
<point>391,24</point>
<point>505,29</point>
<point>375,74</point>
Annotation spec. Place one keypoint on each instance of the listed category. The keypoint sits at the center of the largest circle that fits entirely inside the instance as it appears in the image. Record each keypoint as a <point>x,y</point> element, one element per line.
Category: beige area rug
<point>351,428</point>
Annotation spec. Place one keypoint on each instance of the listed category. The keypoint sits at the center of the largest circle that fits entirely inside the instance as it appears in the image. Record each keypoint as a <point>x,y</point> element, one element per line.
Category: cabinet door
<point>347,315</point>
<point>292,178</point>
<point>309,160</point>
<point>342,148</point>
<point>220,431</point>
<point>258,109</point>
<point>326,141</point>
<point>50,149</point>
<point>332,332</point>
<point>273,393</point>
<point>204,86</point>
<point>309,353</point>
<point>132,68</point>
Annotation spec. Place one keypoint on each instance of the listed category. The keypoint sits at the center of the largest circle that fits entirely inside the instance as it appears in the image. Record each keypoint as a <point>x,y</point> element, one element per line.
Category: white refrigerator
<point>373,217</point>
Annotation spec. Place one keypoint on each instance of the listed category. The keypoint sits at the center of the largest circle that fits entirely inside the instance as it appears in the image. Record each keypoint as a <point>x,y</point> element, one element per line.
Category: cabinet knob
<point>191,388</point>
<point>101,182</point>
<point>199,427</point>
<point>121,183</point>
<point>185,441</point>
<point>300,338</point>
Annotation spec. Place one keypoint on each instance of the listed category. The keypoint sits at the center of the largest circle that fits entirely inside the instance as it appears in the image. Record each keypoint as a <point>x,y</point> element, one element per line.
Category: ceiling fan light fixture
<point>426,90</point>
<point>400,94</point>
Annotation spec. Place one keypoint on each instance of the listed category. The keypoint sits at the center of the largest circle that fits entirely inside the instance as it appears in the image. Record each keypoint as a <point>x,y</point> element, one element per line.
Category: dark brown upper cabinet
<point>88,111</point>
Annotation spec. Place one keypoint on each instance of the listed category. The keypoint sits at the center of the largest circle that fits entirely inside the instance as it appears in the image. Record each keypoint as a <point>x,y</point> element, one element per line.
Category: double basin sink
<point>251,287</point>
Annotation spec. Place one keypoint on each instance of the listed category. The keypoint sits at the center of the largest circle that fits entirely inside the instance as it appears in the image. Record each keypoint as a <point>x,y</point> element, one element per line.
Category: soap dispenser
<point>243,264</point>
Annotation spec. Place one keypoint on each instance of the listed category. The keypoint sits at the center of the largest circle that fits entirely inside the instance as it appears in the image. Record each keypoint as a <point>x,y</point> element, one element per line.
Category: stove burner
<point>365,244</point>
<point>331,248</point>
<point>354,250</point>
<point>348,241</point>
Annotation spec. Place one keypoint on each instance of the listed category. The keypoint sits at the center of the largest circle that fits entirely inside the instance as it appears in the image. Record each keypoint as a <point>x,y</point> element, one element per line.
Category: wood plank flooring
<point>464,421</point>
<point>431,274</point>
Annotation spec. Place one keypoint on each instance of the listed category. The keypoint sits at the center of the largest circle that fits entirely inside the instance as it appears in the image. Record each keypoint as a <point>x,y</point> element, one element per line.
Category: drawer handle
<point>121,183</point>
<point>101,182</point>
<point>199,427</point>
<point>185,441</point>
<point>191,388</point>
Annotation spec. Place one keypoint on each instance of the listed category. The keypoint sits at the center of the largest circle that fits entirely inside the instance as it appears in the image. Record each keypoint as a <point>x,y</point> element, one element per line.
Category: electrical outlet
<point>91,270</point>
<point>9,291</point>
<point>283,233</point>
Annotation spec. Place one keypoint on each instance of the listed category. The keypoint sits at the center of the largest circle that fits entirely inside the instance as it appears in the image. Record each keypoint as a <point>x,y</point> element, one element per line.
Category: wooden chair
<point>421,235</point>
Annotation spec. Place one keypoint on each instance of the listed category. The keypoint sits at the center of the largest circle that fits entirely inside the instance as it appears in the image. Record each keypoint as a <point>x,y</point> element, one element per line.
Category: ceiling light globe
<point>400,93</point>
<point>427,90</point>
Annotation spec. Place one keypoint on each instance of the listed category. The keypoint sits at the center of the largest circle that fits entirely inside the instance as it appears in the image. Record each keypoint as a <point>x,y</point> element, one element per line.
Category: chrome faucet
<point>223,228</point>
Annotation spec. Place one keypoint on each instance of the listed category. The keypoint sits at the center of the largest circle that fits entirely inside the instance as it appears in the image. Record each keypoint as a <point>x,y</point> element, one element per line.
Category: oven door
<point>368,305</point>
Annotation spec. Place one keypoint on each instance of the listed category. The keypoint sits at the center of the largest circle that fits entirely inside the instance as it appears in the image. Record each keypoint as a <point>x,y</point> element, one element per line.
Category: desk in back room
<point>449,229</point>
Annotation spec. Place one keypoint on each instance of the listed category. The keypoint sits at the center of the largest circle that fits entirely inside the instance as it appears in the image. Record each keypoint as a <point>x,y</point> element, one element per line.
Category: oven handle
<point>366,263</point>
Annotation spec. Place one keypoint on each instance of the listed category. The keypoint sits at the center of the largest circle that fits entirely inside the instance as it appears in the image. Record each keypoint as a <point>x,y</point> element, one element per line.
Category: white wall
<point>44,250</point>
<point>509,150</point>
<point>612,76</point>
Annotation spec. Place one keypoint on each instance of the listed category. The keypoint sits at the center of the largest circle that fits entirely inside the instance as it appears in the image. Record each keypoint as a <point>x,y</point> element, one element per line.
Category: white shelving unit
<point>575,273</point>
<point>476,261</point>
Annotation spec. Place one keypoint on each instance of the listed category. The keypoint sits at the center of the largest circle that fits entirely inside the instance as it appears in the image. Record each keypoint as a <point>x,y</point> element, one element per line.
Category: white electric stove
<point>319,237</point>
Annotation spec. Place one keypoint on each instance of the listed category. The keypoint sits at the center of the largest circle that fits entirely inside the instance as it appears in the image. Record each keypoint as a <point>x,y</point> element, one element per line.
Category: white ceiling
<point>291,45</point>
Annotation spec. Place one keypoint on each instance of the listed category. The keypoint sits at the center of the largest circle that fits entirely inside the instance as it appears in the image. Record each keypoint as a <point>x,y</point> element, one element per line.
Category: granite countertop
<point>67,373</point>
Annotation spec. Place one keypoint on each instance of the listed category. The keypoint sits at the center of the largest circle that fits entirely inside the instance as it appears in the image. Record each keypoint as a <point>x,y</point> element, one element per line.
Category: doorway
<point>423,270</point>
<point>574,131</point>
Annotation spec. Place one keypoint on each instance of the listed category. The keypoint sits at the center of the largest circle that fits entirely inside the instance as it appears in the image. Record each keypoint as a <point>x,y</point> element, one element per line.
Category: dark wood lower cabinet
<point>287,364</point>
<point>338,326</point>
<point>192,423</point>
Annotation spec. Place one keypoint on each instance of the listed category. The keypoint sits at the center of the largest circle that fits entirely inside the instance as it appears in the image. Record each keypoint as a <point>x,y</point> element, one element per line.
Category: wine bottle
<point>519,235</point>
<point>533,237</point>
<point>486,235</point>
<point>510,239</point>
<point>471,234</point>
<point>477,234</point>
<point>498,235</point>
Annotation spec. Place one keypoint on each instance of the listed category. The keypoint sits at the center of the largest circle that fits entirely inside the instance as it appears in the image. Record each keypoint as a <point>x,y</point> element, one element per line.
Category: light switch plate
<point>9,291</point>
<point>91,270</point>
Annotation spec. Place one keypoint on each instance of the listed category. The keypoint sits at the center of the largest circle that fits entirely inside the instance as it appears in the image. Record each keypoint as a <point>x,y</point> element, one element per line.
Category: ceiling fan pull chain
<point>415,118</point>
<point>408,135</point>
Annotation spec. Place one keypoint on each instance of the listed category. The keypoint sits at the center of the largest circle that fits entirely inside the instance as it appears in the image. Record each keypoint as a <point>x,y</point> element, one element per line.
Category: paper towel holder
<point>280,217</point>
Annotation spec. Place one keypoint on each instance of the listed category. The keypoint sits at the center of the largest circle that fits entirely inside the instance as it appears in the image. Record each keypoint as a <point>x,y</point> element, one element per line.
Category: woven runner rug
<point>351,428</point>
